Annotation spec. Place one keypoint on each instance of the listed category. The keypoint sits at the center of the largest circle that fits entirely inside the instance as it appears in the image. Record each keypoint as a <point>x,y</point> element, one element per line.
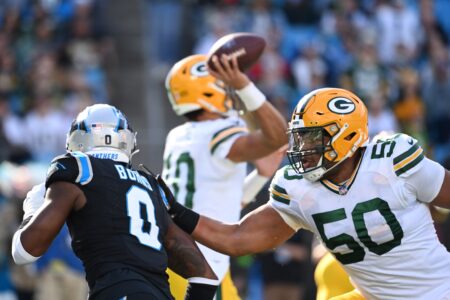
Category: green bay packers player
<point>368,203</point>
<point>205,158</point>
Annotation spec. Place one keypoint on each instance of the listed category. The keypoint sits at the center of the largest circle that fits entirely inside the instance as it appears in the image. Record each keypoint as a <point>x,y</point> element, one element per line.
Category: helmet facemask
<point>307,149</point>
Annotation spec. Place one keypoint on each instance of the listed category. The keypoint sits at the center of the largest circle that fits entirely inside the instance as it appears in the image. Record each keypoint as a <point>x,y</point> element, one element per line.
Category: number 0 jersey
<point>123,222</point>
<point>378,225</point>
<point>202,178</point>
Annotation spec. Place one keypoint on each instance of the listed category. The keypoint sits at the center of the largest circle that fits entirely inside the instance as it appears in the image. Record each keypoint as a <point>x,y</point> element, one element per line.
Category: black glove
<point>199,291</point>
<point>185,218</point>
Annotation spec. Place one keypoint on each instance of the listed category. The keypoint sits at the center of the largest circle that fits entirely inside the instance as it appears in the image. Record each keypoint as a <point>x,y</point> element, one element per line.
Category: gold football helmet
<point>328,125</point>
<point>190,87</point>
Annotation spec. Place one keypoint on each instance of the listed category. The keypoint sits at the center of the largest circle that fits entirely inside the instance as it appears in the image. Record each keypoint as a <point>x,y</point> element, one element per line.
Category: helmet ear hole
<point>350,136</point>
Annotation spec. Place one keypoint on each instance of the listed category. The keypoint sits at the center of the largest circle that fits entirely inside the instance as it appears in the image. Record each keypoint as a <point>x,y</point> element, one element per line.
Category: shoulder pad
<point>404,150</point>
<point>407,155</point>
<point>224,134</point>
<point>74,167</point>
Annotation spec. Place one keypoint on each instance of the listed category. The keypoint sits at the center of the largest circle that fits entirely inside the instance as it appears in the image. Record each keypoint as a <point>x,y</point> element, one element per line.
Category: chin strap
<point>318,173</point>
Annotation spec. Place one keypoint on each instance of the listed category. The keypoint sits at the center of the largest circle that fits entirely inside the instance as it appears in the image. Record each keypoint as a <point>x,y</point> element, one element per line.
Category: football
<point>248,47</point>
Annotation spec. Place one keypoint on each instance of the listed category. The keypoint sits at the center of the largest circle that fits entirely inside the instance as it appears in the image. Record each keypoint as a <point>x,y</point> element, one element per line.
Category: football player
<point>205,158</point>
<point>119,225</point>
<point>368,203</point>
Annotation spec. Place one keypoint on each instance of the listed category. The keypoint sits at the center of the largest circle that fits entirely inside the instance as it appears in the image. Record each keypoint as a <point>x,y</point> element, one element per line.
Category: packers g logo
<point>341,106</point>
<point>199,69</point>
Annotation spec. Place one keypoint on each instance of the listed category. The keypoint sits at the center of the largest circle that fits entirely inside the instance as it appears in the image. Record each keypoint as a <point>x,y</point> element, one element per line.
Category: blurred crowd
<point>54,60</point>
<point>52,64</point>
<point>394,54</point>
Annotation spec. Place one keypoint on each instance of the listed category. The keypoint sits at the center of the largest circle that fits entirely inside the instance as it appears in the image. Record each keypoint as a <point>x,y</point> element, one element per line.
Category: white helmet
<point>102,129</point>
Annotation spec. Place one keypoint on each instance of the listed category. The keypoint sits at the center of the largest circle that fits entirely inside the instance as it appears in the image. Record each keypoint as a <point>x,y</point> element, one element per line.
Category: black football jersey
<point>124,221</point>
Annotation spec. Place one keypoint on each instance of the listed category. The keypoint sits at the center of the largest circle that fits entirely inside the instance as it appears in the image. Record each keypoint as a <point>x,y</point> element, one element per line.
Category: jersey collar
<point>118,156</point>
<point>343,188</point>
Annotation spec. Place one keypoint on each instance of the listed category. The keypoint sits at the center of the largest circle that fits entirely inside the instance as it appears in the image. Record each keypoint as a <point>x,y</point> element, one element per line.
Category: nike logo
<point>410,141</point>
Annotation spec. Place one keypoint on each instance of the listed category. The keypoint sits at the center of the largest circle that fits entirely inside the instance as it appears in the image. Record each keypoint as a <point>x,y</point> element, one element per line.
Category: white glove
<point>34,200</point>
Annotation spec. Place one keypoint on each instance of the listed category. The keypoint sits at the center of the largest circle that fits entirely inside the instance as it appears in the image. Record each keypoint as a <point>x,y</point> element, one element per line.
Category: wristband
<point>185,218</point>
<point>251,96</point>
<point>18,252</point>
<point>253,183</point>
<point>203,280</point>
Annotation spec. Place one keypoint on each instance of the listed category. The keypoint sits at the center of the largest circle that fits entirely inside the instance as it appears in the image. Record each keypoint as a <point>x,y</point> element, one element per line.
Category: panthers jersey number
<point>141,211</point>
<point>358,212</point>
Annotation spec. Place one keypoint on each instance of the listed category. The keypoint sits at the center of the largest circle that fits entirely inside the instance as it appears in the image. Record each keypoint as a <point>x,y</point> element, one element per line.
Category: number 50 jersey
<point>378,225</point>
<point>123,222</point>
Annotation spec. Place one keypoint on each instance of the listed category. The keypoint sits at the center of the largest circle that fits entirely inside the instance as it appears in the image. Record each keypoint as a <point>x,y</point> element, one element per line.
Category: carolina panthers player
<point>368,203</point>
<point>119,225</point>
<point>205,158</point>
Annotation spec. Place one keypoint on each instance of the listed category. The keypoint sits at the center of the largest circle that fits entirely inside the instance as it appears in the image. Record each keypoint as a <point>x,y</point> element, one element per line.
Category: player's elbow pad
<point>19,254</point>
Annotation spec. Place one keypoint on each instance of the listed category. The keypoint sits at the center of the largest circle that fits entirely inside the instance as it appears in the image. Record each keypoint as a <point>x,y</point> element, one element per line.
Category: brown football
<point>248,47</point>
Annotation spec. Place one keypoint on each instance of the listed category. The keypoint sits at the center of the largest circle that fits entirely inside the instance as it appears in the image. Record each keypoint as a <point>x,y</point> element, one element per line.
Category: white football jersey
<point>378,225</point>
<point>202,178</point>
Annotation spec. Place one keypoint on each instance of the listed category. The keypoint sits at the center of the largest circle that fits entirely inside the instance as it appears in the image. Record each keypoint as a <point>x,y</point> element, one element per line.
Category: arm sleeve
<point>426,182</point>
<point>223,140</point>
<point>280,200</point>
<point>19,254</point>
<point>422,176</point>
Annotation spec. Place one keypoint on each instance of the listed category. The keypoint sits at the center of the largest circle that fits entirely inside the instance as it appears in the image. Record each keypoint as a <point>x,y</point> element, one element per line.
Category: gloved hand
<point>166,194</point>
<point>185,218</point>
<point>33,201</point>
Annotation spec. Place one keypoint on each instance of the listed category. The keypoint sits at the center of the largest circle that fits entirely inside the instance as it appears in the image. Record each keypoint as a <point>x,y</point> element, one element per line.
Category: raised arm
<point>31,241</point>
<point>271,134</point>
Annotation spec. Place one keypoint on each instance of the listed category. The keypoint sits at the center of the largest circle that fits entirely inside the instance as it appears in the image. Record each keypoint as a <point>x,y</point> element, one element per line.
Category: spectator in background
<point>60,272</point>
<point>286,270</point>
<point>265,18</point>
<point>7,215</point>
<point>309,69</point>
<point>367,76</point>
<point>381,117</point>
<point>83,53</point>
<point>11,134</point>
<point>44,145</point>
<point>219,24</point>
<point>436,94</point>
<point>398,27</point>
<point>409,108</point>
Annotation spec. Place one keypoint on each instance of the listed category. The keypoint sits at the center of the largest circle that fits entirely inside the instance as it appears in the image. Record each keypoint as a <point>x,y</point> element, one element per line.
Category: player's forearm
<point>272,125</point>
<point>185,258</point>
<point>224,238</point>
